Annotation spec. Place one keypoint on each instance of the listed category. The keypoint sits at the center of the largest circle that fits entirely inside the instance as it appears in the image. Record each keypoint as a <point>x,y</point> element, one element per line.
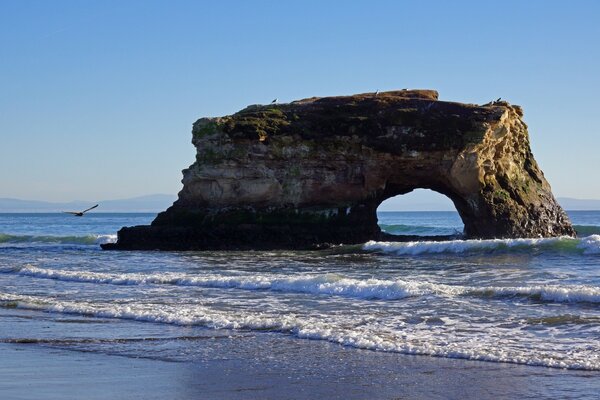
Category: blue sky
<point>97,98</point>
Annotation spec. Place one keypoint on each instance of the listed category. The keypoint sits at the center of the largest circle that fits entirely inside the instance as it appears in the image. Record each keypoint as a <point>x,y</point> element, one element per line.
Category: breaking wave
<point>51,239</point>
<point>586,245</point>
<point>327,284</point>
<point>356,332</point>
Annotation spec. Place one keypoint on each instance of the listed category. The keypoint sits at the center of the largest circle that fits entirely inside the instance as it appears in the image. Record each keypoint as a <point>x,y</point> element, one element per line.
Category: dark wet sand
<point>31,371</point>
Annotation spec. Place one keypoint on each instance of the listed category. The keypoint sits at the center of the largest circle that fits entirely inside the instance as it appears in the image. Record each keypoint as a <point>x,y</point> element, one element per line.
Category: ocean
<point>533,302</point>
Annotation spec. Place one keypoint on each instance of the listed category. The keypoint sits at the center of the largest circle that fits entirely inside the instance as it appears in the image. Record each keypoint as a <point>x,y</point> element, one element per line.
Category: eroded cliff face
<point>313,172</point>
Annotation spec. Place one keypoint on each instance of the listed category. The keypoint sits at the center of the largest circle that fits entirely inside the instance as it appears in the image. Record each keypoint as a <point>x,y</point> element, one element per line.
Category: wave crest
<point>52,239</point>
<point>328,284</point>
<point>357,332</point>
<point>586,245</point>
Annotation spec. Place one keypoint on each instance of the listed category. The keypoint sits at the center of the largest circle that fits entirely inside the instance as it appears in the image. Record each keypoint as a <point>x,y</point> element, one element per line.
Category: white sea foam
<point>327,284</point>
<point>590,244</point>
<point>55,239</point>
<point>549,293</point>
<point>102,239</point>
<point>587,245</point>
<point>361,332</point>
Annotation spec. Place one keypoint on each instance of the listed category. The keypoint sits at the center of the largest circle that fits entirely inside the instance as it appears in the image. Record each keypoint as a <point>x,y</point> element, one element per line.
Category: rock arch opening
<point>419,213</point>
<point>312,173</point>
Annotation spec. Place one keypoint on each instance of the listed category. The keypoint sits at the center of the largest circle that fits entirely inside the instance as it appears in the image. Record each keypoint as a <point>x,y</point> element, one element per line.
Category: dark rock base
<point>187,239</point>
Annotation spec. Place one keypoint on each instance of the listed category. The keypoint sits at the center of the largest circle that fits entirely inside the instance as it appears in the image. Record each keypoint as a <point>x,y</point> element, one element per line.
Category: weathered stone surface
<point>313,172</point>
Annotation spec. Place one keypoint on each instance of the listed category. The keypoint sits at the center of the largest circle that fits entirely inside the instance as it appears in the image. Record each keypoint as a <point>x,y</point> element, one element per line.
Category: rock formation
<point>313,172</point>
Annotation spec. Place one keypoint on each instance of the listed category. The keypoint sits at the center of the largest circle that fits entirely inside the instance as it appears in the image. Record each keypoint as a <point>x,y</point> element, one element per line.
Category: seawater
<point>524,301</point>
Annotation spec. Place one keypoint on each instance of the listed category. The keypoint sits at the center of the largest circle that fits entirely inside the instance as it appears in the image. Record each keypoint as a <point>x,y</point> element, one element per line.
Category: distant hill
<point>422,201</point>
<point>149,203</point>
<point>578,204</point>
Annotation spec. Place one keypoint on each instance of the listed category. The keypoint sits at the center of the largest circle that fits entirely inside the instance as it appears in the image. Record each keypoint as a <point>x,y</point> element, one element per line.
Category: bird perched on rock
<point>376,93</point>
<point>499,98</point>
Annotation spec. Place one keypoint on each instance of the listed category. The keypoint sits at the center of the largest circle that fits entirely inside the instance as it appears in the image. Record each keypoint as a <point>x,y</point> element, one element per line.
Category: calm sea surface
<point>523,301</point>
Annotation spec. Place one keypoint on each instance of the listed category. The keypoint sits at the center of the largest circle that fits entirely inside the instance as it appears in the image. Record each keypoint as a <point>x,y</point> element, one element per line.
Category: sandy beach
<point>31,371</point>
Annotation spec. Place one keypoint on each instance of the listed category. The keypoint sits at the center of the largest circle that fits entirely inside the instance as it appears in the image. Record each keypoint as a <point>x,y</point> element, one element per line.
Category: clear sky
<point>97,98</point>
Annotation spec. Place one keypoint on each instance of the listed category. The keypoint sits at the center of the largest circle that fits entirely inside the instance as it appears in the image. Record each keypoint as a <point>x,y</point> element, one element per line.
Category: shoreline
<point>31,371</point>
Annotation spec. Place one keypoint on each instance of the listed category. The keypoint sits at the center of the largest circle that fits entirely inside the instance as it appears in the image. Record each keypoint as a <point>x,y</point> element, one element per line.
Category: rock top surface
<point>312,173</point>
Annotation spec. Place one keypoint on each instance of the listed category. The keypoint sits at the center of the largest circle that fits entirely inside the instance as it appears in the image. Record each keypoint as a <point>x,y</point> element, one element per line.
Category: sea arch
<point>421,212</point>
<point>311,173</point>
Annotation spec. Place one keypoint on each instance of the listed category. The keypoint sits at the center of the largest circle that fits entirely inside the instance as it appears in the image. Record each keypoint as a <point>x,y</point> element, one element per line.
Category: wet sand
<point>31,371</point>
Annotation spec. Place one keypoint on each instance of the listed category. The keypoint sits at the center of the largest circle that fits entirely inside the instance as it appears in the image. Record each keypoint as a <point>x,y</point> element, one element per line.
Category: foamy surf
<point>325,284</point>
<point>328,284</point>
<point>590,244</point>
<point>363,332</point>
<point>586,245</point>
<point>526,301</point>
<point>55,239</point>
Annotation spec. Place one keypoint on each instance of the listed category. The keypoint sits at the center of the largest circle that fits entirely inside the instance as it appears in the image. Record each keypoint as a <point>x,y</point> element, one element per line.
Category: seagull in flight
<point>274,101</point>
<point>80,213</point>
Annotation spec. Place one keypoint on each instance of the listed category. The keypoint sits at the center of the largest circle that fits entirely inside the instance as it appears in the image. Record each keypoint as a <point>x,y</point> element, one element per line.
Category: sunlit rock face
<point>312,173</point>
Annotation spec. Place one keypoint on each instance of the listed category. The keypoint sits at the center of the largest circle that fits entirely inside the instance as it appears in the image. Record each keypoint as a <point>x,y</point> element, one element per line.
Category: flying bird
<point>499,98</point>
<point>274,101</point>
<point>80,213</point>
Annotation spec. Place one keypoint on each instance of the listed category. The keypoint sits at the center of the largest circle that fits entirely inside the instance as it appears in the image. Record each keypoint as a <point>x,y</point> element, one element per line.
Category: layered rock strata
<point>312,173</point>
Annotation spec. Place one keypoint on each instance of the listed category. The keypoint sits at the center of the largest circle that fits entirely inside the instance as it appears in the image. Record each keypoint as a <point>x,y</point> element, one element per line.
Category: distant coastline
<point>440,203</point>
<point>160,202</point>
<point>148,203</point>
